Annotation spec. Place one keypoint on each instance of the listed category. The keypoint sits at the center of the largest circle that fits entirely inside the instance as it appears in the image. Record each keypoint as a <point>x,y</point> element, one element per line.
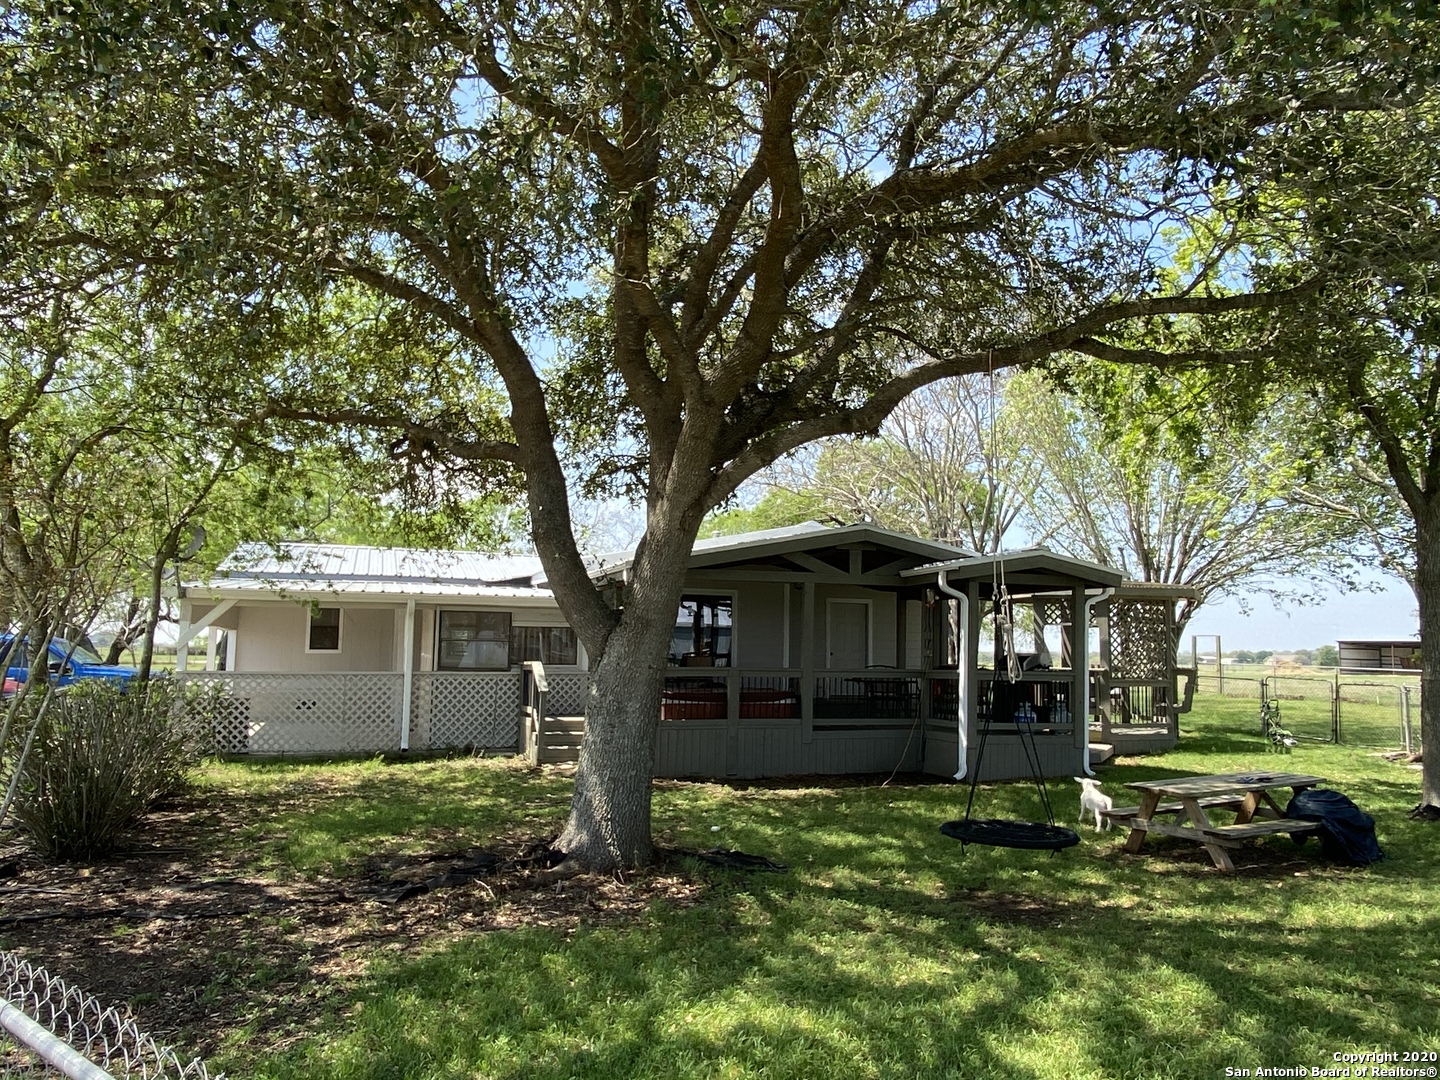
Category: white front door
<point>849,634</point>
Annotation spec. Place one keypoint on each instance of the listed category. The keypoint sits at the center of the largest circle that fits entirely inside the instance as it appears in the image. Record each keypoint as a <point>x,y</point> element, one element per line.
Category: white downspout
<point>408,666</point>
<point>1082,632</point>
<point>962,669</point>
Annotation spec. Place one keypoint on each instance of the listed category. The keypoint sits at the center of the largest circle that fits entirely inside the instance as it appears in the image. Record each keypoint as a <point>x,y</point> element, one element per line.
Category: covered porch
<point>841,651</point>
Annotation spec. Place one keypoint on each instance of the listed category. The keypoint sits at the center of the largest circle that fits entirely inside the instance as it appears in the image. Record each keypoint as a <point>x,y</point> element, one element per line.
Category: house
<point>335,648</point>
<point>799,650</point>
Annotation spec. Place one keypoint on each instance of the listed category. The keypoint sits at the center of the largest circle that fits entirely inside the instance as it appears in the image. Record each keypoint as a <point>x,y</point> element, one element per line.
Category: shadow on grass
<point>774,981</point>
<point>887,953</point>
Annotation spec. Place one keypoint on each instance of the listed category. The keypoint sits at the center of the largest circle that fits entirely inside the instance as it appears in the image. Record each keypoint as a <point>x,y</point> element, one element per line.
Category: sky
<point>1389,614</point>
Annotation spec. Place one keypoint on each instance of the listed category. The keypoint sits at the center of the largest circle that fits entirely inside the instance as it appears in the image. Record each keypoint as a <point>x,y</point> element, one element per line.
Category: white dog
<point>1094,800</point>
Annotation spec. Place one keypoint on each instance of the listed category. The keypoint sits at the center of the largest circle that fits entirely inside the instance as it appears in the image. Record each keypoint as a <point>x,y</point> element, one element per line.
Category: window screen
<point>324,630</point>
<point>548,644</point>
<point>474,640</point>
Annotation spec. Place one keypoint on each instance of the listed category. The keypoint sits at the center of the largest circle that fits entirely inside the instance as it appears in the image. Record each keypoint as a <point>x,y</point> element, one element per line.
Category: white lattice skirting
<point>307,714</point>
<point>360,712</point>
<point>456,710</point>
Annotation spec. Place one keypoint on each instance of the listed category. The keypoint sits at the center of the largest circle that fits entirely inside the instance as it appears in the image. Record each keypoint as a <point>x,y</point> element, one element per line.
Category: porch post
<point>408,666</point>
<point>968,672</point>
<point>182,643</point>
<point>1107,667</point>
<point>732,721</point>
<point>807,663</point>
<point>211,644</point>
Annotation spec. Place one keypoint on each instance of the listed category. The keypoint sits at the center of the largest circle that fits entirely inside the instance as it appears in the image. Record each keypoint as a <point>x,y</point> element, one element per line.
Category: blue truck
<point>68,663</point>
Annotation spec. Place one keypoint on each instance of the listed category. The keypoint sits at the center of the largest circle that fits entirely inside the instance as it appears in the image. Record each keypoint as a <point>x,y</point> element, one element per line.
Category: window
<point>474,641</point>
<point>548,644</point>
<point>324,630</point>
<point>703,630</point>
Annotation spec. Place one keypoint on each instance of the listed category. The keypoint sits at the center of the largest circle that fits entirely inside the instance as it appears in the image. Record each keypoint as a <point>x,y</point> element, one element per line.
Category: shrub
<point>103,755</point>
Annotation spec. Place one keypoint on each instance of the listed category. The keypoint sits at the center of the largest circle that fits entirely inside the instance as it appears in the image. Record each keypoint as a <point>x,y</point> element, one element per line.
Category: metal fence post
<point>97,1043</point>
<point>1335,711</point>
<point>1406,735</point>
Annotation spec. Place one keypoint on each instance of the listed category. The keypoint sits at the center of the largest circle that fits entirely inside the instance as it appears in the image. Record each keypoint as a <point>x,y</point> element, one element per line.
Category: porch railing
<point>830,697</point>
<point>1118,704</point>
<point>534,697</point>
<point>1040,701</point>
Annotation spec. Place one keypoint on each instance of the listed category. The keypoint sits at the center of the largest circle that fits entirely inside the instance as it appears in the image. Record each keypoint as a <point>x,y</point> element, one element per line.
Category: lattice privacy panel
<point>466,709</point>
<point>1140,642</point>
<point>1054,612</point>
<point>309,714</point>
<point>568,692</point>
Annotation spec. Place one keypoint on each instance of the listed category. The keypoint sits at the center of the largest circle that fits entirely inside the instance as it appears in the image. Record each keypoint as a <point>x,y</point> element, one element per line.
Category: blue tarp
<point>1347,833</point>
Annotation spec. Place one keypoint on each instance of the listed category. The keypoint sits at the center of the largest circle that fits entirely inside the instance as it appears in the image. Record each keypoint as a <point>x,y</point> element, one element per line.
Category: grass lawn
<point>881,953</point>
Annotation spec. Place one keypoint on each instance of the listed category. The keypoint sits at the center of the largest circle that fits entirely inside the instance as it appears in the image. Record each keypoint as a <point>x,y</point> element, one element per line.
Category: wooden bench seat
<point>1226,835</point>
<point>1265,828</point>
<point>1228,801</point>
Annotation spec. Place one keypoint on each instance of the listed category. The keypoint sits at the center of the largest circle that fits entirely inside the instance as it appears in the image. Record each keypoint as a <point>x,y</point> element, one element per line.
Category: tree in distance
<point>951,463</point>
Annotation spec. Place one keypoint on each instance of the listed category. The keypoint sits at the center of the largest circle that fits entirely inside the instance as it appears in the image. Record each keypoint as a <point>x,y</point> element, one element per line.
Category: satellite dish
<point>197,541</point>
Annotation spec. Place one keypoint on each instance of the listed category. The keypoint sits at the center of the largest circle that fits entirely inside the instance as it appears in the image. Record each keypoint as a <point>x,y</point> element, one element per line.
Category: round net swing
<point>1005,832</point>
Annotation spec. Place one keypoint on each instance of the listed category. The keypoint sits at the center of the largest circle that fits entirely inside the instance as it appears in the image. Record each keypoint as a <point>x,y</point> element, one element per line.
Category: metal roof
<point>807,535</point>
<point>222,588</point>
<point>1026,559</point>
<point>359,562</point>
<point>357,569</point>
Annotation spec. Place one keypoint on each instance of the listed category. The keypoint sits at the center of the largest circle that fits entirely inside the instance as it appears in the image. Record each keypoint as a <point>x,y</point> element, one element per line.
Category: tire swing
<point>1004,832</point>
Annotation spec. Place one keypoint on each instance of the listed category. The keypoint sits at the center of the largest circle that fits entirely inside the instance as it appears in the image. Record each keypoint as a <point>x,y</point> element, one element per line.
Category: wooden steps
<point>560,739</point>
<point>1101,752</point>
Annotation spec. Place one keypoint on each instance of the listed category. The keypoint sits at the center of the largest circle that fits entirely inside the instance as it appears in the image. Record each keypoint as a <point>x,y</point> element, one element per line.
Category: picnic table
<point>1247,794</point>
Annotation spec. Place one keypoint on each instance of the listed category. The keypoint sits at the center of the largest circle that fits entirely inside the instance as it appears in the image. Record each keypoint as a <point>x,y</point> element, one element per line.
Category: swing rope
<point>1001,832</point>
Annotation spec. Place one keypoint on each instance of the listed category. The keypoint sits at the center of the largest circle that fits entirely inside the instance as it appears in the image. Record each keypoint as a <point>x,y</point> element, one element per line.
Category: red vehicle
<point>10,687</point>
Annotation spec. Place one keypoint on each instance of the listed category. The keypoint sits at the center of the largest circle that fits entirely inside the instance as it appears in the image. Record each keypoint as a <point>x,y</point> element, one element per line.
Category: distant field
<point>163,660</point>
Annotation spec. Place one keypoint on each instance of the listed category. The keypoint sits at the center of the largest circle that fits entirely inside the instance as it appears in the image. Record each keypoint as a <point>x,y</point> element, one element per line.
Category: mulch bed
<point>201,947</point>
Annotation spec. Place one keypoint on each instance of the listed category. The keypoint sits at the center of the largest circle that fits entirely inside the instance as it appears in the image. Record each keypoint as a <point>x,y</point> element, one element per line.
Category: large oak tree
<point>669,243</point>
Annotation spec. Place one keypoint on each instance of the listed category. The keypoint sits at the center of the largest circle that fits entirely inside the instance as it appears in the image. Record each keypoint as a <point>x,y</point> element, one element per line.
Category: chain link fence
<point>1228,686</point>
<point>49,1029</point>
<point>1350,711</point>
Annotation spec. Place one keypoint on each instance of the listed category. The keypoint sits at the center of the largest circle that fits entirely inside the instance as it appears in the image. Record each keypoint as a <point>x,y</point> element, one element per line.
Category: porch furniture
<point>1248,794</point>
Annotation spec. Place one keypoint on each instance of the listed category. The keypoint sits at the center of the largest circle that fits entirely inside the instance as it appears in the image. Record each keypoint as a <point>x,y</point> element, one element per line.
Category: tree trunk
<point>1427,593</point>
<point>152,614</point>
<point>125,637</point>
<point>609,825</point>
